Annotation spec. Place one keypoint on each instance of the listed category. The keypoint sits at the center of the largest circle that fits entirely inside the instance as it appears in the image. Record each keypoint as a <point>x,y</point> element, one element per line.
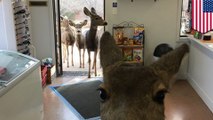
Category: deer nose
<point>105,23</point>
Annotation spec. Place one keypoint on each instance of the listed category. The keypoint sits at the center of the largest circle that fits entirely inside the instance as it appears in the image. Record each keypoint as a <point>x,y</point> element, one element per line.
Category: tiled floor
<point>182,103</point>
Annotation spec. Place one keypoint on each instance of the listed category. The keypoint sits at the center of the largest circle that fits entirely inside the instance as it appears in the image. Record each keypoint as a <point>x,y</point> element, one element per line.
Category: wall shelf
<point>130,37</point>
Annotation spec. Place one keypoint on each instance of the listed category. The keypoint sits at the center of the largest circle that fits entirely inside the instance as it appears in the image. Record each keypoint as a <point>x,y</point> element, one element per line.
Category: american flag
<point>202,17</point>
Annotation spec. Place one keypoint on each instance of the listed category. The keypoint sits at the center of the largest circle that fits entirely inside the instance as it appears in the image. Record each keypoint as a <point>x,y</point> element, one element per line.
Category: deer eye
<point>159,96</point>
<point>103,94</point>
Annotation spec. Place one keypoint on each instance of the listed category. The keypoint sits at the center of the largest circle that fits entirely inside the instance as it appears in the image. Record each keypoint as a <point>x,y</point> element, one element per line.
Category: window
<point>185,18</point>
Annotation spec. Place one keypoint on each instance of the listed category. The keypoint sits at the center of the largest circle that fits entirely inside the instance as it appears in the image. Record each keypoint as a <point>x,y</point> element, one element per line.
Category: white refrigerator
<point>20,87</point>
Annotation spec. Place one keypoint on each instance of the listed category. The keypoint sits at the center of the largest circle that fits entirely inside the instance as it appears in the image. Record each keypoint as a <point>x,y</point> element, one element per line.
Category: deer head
<point>96,20</point>
<point>64,21</point>
<point>131,91</point>
<point>78,26</point>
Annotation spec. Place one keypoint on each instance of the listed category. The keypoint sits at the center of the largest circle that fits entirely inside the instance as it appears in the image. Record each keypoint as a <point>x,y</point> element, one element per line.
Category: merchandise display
<point>129,36</point>
<point>21,18</point>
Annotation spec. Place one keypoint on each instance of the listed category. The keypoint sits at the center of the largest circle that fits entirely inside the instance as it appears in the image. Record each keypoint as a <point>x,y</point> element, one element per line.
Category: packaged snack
<point>2,70</point>
<point>138,35</point>
<point>138,54</point>
<point>127,54</point>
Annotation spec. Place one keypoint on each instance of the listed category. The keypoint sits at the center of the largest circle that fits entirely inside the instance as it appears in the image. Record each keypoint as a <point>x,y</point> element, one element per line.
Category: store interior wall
<point>42,30</point>
<point>7,28</point>
<point>161,20</point>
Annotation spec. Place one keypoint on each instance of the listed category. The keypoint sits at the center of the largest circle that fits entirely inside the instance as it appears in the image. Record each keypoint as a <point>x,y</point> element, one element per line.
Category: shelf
<point>130,46</point>
<point>129,37</point>
<point>133,62</point>
<point>21,19</point>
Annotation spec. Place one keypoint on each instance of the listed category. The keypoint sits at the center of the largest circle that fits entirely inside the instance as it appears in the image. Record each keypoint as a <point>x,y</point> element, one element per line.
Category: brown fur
<point>132,88</point>
<point>80,40</point>
<point>68,39</point>
<point>91,36</point>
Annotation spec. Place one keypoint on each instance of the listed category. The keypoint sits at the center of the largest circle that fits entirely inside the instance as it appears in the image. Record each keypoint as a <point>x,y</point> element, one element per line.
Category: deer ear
<point>87,12</point>
<point>168,65</point>
<point>85,22</point>
<point>109,51</point>
<point>61,18</point>
<point>93,10</point>
<point>71,23</point>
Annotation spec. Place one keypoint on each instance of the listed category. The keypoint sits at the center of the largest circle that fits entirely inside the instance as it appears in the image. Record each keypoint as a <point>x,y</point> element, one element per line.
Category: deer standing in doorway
<point>80,40</point>
<point>132,91</point>
<point>91,36</point>
<point>68,39</point>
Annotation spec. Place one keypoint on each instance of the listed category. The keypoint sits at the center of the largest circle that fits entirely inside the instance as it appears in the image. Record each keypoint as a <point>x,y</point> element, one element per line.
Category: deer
<point>67,39</point>
<point>91,36</point>
<point>80,39</point>
<point>132,91</point>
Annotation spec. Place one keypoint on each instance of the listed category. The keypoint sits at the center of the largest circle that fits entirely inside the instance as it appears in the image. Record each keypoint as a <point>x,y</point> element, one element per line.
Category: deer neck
<point>93,31</point>
<point>67,28</point>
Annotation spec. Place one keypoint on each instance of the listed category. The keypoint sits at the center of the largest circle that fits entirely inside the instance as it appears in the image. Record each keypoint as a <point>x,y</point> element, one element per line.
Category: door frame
<point>58,53</point>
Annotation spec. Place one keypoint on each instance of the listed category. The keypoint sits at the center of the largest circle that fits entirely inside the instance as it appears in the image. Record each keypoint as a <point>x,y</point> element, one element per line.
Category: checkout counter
<point>200,69</point>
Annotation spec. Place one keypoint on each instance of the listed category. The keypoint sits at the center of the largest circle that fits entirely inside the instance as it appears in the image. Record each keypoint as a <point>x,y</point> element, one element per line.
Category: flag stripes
<point>202,15</point>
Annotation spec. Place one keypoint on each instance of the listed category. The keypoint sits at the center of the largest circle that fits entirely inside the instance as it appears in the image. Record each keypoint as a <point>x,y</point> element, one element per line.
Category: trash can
<point>160,50</point>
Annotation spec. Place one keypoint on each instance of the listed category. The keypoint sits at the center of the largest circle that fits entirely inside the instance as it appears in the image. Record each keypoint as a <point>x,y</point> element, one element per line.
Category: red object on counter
<point>43,75</point>
<point>3,70</point>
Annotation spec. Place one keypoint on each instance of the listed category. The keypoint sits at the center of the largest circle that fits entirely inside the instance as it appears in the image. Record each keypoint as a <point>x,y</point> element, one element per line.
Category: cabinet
<point>130,38</point>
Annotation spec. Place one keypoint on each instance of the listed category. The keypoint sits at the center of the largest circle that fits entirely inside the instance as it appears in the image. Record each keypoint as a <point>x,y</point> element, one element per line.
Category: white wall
<point>161,20</point>
<point>200,71</point>
<point>7,27</point>
<point>42,30</point>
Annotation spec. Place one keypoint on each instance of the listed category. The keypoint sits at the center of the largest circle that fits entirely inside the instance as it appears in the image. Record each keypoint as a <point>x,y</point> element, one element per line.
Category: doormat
<point>74,73</point>
<point>82,98</point>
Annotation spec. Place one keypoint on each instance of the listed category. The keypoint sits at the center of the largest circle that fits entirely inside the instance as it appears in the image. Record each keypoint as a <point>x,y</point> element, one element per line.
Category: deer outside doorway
<point>74,27</point>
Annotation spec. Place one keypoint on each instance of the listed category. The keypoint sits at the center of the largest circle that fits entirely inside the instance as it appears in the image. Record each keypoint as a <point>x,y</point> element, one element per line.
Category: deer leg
<point>67,56</point>
<point>72,56</point>
<point>83,56</point>
<point>79,56</point>
<point>89,64</point>
<point>94,62</point>
<point>64,52</point>
<point>93,66</point>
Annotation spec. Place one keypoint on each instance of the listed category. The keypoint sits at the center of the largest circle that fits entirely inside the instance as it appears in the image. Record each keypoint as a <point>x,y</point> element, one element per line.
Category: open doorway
<point>73,10</point>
